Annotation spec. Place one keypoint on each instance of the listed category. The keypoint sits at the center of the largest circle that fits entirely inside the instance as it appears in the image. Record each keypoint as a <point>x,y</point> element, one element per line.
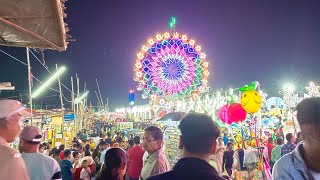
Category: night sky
<point>269,41</point>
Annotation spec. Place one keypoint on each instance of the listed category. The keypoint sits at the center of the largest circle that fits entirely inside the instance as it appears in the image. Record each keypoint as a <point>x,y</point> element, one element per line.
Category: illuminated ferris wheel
<point>172,66</point>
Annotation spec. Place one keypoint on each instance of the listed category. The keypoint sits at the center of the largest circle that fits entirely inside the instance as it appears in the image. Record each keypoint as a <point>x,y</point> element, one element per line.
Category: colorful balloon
<point>223,114</point>
<point>236,113</point>
<point>251,101</point>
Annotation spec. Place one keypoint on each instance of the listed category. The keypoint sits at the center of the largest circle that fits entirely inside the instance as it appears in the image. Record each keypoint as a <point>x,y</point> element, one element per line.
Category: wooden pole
<point>99,103</point>
<point>78,95</point>
<point>29,81</point>
<point>99,92</point>
<point>61,100</point>
<point>72,104</point>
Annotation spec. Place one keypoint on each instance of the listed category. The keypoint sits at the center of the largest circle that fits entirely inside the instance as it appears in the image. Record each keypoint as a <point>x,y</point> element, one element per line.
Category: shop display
<point>172,135</point>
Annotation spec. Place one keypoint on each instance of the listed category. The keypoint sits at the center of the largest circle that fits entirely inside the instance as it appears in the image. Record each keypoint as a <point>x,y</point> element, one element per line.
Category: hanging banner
<point>56,120</point>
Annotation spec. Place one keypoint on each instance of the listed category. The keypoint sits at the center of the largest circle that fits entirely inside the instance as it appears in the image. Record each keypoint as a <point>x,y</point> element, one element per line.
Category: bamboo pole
<point>61,100</point>
<point>99,92</point>
<point>73,108</point>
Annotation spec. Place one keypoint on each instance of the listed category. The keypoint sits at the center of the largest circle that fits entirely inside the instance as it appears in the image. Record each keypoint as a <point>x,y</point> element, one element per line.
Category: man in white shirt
<point>40,166</point>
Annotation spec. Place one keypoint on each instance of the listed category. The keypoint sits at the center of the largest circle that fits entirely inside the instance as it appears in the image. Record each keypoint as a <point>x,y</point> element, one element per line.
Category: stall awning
<point>33,23</point>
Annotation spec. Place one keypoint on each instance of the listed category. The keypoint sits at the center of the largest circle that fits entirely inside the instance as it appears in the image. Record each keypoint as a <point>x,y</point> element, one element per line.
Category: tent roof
<point>33,23</point>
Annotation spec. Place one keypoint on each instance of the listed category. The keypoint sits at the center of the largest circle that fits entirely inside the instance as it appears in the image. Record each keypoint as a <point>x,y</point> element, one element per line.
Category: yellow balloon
<point>251,101</point>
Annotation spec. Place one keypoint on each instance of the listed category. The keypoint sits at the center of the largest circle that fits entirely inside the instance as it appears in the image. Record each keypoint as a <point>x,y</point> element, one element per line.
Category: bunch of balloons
<point>233,113</point>
<point>251,102</point>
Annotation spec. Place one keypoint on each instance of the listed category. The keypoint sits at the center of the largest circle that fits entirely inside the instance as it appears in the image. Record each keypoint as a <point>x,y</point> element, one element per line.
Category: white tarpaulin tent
<point>33,23</point>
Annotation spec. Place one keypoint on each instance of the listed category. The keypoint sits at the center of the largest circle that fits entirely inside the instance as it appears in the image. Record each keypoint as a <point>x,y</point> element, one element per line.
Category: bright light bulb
<point>184,37</point>
<point>192,42</point>
<point>144,48</point>
<point>204,81</point>
<point>205,64</point>
<point>195,95</point>
<point>144,96</point>
<point>139,74</point>
<point>176,35</point>
<point>140,55</point>
<point>203,55</point>
<point>136,78</point>
<point>166,35</point>
<point>161,102</point>
<point>158,37</point>
<point>151,41</point>
<point>138,65</point>
<point>153,97</point>
<point>198,48</point>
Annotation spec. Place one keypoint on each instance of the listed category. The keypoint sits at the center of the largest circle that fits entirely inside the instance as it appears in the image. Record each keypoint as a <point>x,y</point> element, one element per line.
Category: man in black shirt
<point>197,143</point>
<point>228,158</point>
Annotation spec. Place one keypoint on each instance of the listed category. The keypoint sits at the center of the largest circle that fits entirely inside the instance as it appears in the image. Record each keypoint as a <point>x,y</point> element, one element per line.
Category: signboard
<point>125,125</point>
<point>58,136</point>
<point>68,117</point>
<point>118,120</point>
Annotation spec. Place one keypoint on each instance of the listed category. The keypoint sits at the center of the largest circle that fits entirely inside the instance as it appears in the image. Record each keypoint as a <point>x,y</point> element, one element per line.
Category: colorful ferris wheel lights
<point>171,66</point>
<point>176,35</point>
<point>198,48</point>
<point>203,55</point>
<point>192,42</point>
<point>184,37</point>
<point>166,35</point>
<point>159,37</point>
<point>144,48</point>
<point>151,41</point>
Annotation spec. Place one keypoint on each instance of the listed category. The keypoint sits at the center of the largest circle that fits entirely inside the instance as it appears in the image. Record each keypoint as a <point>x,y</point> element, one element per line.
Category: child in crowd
<point>75,158</point>
<point>85,172</point>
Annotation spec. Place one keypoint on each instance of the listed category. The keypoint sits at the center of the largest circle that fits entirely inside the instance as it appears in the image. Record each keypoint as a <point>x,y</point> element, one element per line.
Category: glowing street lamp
<point>77,100</point>
<point>288,87</point>
<point>288,94</point>
<point>48,82</point>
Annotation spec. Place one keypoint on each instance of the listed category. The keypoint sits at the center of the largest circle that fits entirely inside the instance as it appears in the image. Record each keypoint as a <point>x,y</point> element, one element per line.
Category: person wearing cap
<point>197,143</point>
<point>12,114</point>
<point>304,161</point>
<point>40,166</point>
<point>115,165</point>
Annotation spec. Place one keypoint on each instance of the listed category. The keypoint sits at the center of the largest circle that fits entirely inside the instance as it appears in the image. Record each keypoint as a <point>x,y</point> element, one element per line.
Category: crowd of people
<point>117,157</point>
